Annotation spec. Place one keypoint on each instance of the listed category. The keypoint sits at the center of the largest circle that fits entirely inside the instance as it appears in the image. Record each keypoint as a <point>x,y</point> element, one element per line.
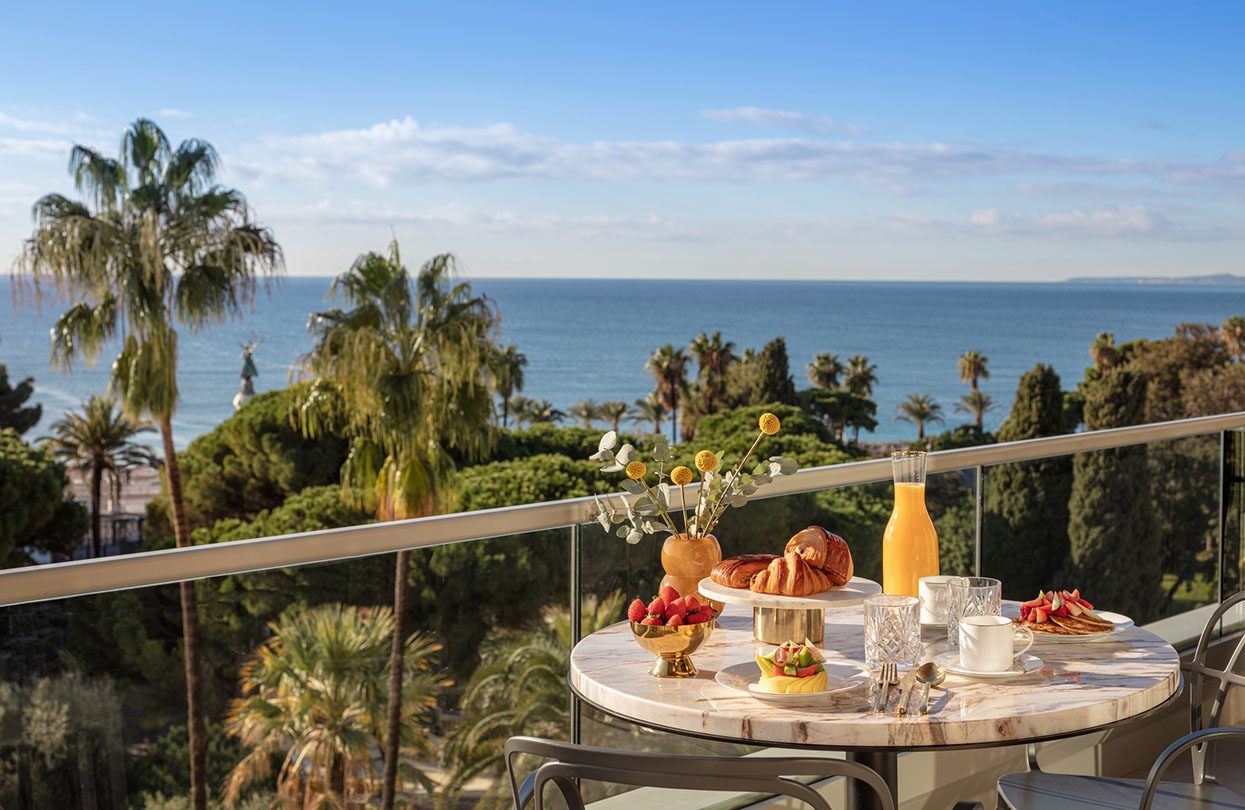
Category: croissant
<point>736,572</point>
<point>825,551</point>
<point>789,575</point>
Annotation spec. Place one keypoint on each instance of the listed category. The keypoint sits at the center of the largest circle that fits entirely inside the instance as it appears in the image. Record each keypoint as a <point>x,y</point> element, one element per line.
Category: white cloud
<point>34,147</point>
<point>405,152</point>
<point>1108,221</point>
<point>468,217</point>
<point>760,116</point>
<point>173,112</point>
<point>985,216</point>
<point>18,124</point>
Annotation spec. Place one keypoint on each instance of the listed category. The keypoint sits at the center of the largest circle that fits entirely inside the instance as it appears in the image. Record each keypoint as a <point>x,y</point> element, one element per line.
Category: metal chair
<point>1036,790</point>
<point>566,764</point>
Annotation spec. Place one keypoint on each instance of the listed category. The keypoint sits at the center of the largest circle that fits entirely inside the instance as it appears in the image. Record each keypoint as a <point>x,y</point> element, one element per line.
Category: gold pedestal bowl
<point>673,647</point>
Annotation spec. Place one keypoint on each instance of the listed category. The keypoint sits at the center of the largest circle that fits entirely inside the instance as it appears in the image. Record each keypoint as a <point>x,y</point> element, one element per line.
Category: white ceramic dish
<point>1025,664</point>
<point>855,592</point>
<point>1120,621</point>
<point>744,678</point>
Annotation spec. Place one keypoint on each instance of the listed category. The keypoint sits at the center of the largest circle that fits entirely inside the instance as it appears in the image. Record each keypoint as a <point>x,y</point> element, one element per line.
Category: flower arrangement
<point>656,508</point>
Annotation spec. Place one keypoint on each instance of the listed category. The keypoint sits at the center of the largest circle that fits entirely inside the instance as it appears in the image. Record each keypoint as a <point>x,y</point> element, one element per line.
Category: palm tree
<point>921,409</point>
<point>615,413</point>
<point>972,367</point>
<point>825,370</point>
<point>543,412</point>
<point>714,357</point>
<point>977,403</point>
<point>96,441</point>
<point>585,412</point>
<point>861,376</point>
<point>159,246</point>
<point>314,694</point>
<point>669,368</point>
<point>520,688</point>
<point>650,411</point>
<point>404,373</point>
<point>522,408</point>
<point>1233,335</point>
<point>1102,351</point>
<point>508,379</point>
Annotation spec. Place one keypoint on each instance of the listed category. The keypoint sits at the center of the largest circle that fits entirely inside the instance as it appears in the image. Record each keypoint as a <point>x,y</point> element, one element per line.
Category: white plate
<point>950,661</point>
<point>855,592</point>
<point>1121,623</point>
<point>744,678</point>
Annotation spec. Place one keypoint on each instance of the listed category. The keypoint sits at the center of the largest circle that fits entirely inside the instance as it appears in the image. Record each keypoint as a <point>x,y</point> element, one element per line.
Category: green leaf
<point>634,487</point>
<point>623,531</point>
<point>634,536</point>
<point>608,442</point>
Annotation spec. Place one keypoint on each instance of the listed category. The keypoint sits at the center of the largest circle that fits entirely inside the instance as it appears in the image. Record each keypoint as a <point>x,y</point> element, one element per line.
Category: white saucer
<point>1025,664</point>
<point>743,678</point>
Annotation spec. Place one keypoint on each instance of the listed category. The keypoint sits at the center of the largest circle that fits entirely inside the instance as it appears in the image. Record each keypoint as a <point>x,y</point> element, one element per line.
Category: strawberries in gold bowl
<point>672,627</point>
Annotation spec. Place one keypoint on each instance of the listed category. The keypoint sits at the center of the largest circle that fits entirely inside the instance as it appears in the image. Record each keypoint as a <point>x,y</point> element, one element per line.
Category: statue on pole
<point>249,372</point>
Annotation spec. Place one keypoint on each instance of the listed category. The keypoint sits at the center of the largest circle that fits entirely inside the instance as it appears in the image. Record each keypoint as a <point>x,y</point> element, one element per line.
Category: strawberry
<point>676,608</point>
<point>1032,603</point>
<point>1086,605</point>
<point>657,607</point>
<point>1039,615</point>
<point>652,621</point>
<point>668,594</point>
<point>636,611</point>
<point>692,602</point>
<point>1062,610</point>
<point>704,614</point>
<point>804,672</point>
<point>1076,594</point>
<point>1074,608</point>
<point>675,621</point>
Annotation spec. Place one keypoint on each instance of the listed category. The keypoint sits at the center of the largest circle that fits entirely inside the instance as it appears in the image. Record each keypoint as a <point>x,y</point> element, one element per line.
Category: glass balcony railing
<point>92,694</point>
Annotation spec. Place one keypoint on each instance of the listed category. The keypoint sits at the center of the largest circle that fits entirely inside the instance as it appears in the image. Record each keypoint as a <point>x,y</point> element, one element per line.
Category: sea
<point>589,338</point>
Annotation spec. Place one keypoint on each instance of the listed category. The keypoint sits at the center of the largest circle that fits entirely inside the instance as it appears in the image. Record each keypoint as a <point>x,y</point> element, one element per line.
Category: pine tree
<point>773,382</point>
<point>13,410</point>
<point>1025,541</point>
<point>1115,551</point>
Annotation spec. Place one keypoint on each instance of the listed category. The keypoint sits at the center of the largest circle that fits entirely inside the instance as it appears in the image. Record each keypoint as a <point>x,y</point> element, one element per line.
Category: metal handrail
<point>80,578</point>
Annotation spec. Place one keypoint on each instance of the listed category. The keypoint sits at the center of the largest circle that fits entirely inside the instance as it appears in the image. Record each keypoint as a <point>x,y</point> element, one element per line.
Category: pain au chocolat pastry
<point>737,572</point>
<point>825,551</point>
<point>789,575</point>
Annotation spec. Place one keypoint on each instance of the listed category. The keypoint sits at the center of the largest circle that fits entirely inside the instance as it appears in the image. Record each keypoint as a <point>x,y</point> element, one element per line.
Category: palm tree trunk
<point>97,480</point>
<point>402,565</point>
<point>190,626</point>
<point>674,424</point>
<point>505,410</point>
<point>920,429</point>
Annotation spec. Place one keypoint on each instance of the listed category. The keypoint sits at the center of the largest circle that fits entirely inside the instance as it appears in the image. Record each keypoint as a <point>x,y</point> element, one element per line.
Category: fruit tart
<point>793,669</point>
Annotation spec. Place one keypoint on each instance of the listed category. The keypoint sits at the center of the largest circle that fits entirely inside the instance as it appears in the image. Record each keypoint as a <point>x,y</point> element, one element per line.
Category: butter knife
<point>905,693</point>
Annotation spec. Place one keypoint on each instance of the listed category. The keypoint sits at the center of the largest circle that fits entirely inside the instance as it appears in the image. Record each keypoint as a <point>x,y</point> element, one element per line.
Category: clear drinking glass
<point>892,630</point>
<point>971,596</point>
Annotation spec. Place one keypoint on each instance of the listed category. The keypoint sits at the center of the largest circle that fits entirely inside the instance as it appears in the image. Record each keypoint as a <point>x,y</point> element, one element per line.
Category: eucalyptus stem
<point>683,495</point>
<point>664,515</point>
<point>716,514</point>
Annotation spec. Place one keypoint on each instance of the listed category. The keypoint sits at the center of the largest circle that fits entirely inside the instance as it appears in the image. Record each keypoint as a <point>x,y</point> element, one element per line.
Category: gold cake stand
<point>776,619</point>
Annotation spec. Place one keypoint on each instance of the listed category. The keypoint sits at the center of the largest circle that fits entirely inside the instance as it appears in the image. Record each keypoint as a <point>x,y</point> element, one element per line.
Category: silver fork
<point>888,675</point>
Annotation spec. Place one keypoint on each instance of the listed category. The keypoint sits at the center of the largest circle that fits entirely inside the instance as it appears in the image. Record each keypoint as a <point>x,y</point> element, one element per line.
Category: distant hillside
<point>1221,278</point>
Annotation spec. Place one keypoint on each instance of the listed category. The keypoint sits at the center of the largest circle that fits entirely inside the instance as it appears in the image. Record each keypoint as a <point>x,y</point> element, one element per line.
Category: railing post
<point>576,597</point>
<point>1225,497</point>
<point>978,514</point>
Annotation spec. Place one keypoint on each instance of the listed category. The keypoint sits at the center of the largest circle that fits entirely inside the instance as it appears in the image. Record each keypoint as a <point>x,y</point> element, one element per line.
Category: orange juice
<point>910,544</point>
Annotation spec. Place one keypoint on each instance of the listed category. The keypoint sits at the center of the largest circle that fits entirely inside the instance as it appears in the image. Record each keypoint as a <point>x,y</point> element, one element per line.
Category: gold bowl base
<point>676,666</point>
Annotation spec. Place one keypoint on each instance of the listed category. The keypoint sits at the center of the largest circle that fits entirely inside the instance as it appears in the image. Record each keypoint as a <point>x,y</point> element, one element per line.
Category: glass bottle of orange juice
<point>910,544</point>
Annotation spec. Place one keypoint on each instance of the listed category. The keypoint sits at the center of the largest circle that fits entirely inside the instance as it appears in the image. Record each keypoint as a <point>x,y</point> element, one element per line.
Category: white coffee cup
<point>935,599</point>
<point>987,643</point>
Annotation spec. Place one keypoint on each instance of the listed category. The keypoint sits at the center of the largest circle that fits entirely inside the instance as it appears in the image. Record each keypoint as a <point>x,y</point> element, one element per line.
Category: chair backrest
<point>1203,766</point>
<point>566,763</point>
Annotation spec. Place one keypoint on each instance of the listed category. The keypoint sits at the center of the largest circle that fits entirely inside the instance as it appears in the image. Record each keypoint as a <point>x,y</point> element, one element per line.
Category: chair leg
<point>968,805</point>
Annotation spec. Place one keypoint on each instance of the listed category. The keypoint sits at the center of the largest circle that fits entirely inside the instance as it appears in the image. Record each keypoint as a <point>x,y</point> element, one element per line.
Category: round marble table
<point>1082,687</point>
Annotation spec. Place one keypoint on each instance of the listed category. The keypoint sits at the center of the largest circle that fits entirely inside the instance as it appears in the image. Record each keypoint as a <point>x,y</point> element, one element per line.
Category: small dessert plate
<point>744,678</point>
<point>1025,664</point>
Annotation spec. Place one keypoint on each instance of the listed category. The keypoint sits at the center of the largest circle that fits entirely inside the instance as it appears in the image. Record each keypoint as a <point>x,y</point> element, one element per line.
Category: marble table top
<point>1081,687</point>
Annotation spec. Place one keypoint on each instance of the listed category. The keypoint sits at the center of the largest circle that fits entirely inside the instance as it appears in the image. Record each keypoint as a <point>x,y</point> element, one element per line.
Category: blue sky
<point>983,141</point>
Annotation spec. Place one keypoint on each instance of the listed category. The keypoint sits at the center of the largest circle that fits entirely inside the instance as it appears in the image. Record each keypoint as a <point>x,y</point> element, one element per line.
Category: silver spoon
<point>929,674</point>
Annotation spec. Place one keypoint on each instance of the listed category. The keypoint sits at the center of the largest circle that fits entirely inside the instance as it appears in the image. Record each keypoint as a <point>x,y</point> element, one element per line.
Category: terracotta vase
<point>689,560</point>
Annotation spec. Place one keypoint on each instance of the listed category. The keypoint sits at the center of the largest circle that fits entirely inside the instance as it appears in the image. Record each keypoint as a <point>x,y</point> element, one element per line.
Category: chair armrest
<point>1176,749</point>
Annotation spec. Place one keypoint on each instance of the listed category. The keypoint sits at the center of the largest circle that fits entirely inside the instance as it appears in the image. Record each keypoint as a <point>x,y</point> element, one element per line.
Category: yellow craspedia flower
<point>706,461</point>
<point>636,470</point>
<point>769,424</point>
<point>681,476</point>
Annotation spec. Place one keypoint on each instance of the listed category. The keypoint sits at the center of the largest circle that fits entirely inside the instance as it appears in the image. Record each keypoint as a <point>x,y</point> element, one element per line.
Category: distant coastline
<point>1219,278</point>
